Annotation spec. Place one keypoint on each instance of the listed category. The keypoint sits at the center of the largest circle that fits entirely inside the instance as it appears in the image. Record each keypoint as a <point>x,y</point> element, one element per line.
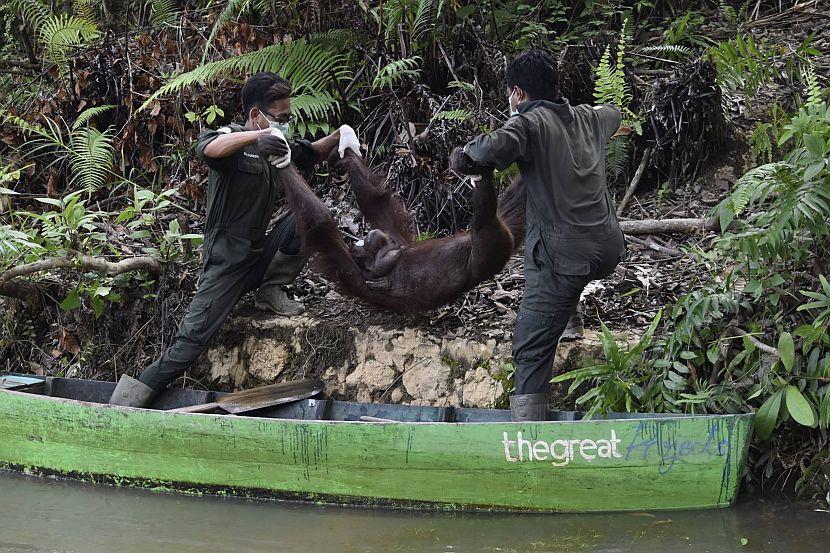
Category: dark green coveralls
<point>572,235</point>
<point>236,252</point>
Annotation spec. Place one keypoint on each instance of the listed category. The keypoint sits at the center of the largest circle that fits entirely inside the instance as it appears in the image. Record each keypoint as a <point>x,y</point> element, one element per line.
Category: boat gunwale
<point>656,417</point>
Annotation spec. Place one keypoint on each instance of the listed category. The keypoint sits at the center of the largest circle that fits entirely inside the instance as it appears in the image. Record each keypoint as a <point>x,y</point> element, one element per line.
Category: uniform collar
<point>561,107</point>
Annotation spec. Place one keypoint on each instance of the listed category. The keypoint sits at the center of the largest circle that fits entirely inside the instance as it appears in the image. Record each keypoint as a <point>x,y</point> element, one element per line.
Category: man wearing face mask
<point>572,234</point>
<point>238,255</point>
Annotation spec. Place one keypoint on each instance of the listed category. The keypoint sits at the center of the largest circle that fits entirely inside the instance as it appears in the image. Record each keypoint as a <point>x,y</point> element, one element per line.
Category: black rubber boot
<point>529,407</point>
<point>271,295</point>
<point>575,328</point>
<point>130,392</point>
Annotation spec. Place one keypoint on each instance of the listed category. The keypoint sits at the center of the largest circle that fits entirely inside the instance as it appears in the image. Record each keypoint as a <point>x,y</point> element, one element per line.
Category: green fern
<point>676,50</point>
<point>426,17</point>
<point>611,88</point>
<point>91,157</point>
<point>90,113</point>
<point>61,32</point>
<point>34,12</point>
<point>396,71</point>
<point>314,107</point>
<point>164,12</point>
<point>760,141</point>
<point>309,67</point>
<point>86,9</point>
<point>742,63</point>
<point>814,90</point>
<point>453,115</point>
<point>336,40</point>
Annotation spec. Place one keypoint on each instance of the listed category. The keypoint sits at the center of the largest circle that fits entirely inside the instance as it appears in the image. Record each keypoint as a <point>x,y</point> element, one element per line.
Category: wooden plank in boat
<point>18,382</point>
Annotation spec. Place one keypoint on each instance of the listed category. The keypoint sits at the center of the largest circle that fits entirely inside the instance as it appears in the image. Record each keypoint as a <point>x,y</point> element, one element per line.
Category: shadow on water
<point>39,515</point>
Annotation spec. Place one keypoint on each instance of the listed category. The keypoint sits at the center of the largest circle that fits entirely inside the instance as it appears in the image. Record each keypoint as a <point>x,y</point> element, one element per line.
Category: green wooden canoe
<point>341,452</point>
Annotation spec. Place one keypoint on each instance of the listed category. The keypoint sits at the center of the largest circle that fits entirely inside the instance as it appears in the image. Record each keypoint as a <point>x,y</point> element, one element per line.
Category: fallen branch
<point>637,176</point>
<point>735,331</point>
<point>651,244</point>
<point>84,262</point>
<point>658,226</point>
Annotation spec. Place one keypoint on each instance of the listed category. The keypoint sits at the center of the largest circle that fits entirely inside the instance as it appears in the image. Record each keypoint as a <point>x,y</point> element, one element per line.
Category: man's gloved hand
<point>279,160</point>
<point>348,141</point>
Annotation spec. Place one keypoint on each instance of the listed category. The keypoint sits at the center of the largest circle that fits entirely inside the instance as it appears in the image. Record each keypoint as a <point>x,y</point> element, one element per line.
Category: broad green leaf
<point>786,351</point>
<point>72,301</point>
<point>51,201</point>
<point>798,407</point>
<point>813,169</point>
<point>767,415</point>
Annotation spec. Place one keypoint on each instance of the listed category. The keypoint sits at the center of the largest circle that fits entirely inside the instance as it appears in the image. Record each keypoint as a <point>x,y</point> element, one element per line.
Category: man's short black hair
<point>263,89</point>
<point>535,72</point>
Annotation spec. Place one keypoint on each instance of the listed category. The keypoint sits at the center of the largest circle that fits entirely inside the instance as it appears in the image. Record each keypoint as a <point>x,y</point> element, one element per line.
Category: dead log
<point>679,226</point>
<point>90,263</point>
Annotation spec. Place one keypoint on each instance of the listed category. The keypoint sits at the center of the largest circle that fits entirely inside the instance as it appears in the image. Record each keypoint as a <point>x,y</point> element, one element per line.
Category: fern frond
<point>453,115</point>
<point>462,85</point>
<point>309,67</point>
<point>35,12</point>
<point>164,12</point>
<point>813,86</point>
<point>426,17</point>
<point>674,49</point>
<point>61,32</point>
<point>232,9</point>
<point>86,9</point>
<point>91,157</point>
<point>90,113</point>
<point>315,107</point>
<point>754,187</point>
<point>335,40</point>
<point>616,156</point>
<point>396,71</point>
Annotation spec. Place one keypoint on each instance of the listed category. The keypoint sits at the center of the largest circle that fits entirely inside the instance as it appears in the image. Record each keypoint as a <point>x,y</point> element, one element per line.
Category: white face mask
<point>283,127</point>
<point>513,111</point>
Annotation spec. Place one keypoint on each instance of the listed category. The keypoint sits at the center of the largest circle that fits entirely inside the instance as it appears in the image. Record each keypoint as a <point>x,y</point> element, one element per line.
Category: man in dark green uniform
<point>238,255</point>
<point>572,234</point>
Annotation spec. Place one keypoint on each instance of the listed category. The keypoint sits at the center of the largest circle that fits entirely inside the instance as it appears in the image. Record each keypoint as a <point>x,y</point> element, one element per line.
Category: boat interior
<point>94,391</point>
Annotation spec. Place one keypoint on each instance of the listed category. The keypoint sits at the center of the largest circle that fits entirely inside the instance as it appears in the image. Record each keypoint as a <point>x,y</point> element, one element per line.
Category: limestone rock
<point>396,396</point>
<point>467,351</point>
<point>427,381</point>
<point>226,365</point>
<point>480,389</point>
<point>266,358</point>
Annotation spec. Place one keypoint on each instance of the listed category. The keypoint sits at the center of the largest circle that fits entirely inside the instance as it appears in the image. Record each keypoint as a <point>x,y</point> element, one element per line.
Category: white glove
<point>348,141</point>
<point>284,161</point>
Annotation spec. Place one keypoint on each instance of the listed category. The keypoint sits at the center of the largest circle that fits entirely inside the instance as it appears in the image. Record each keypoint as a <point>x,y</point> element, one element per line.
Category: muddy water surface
<point>41,515</point>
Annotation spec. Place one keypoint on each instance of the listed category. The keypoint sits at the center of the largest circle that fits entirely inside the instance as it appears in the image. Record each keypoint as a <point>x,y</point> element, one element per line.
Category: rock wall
<point>406,365</point>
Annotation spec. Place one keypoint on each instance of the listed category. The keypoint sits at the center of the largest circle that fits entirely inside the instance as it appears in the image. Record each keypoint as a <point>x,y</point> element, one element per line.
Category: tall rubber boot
<point>130,392</point>
<point>271,295</point>
<point>529,407</point>
<point>575,328</point>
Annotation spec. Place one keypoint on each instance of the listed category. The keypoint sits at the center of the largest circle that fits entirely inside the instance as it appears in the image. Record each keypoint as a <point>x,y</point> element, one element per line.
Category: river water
<point>52,516</point>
